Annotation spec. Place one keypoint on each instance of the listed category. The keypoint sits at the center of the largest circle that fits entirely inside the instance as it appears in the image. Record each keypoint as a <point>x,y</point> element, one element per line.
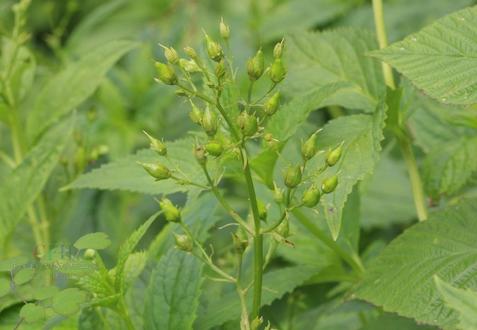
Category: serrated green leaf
<point>96,241</point>
<point>362,135</point>
<point>400,279</point>
<point>440,59</point>
<point>221,309</point>
<point>25,182</point>
<point>463,301</point>
<point>450,165</point>
<point>68,301</point>
<point>335,58</point>
<point>127,174</point>
<point>32,313</point>
<point>173,294</point>
<point>69,88</point>
<point>128,247</point>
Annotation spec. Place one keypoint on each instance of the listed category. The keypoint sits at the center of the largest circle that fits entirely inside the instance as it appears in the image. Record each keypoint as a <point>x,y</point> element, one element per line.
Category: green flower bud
<point>157,171</point>
<point>213,49</point>
<point>278,49</point>
<point>247,123</point>
<point>329,184</point>
<point>89,254</point>
<point>199,154</point>
<point>311,196</point>
<point>277,71</point>
<point>220,70</point>
<point>209,122</point>
<point>195,114</point>
<point>224,30</point>
<point>271,106</point>
<point>334,155</point>
<point>166,73</point>
<point>278,193</point>
<point>184,242</point>
<point>293,176</point>
<point>262,210</point>
<point>171,213</point>
<point>189,65</point>
<point>271,141</point>
<point>170,54</point>
<point>309,148</point>
<point>255,66</point>
<point>157,145</point>
<point>214,148</point>
<point>191,52</point>
<point>283,229</point>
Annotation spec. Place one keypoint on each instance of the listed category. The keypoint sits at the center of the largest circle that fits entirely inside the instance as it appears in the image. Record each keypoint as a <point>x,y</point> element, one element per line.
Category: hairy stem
<point>404,142</point>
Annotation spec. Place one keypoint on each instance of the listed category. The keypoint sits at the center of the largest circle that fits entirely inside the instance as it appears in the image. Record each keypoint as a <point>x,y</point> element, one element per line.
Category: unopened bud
<point>255,66</point>
<point>247,123</point>
<point>283,229</point>
<point>293,176</point>
<point>191,52</point>
<point>329,184</point>
<point>189,65</point>
<point>184,242</point>
<point>157,145</point>
<point>214,50</point>
<point>334,155</point>
<point>170,54</point>
<point>277,71</point>
<point>209,122</point>
<point>171,212</point>
<point>195,114</point>
<point>220,70</point>
<point>278,49</point>
<point>278,193</point>
<point>166,73</point>
<point>271,106</point>
<point>89,254</point>
<point>224,30</point>
<point>311,196</point>
<point>214,148</point>
<point>157,171</point>
<point>262,210</point>
<point>199,154</point>
<point>309,148</point>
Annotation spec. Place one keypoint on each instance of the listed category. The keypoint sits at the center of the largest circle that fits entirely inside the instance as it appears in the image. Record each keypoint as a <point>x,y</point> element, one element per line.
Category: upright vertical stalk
<point>404,141</point>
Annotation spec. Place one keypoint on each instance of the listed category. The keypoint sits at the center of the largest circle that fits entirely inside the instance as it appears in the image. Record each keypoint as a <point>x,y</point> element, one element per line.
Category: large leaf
<point>25,182</point>
<point>69,88</point>
<point>173,294</point>
<point>440,59</point>
<point>335,58</point>
<point>449,166</point>
<point>400,279</point>
<point>127,174</point>
<point>463,301</point>
<point>361,135</point>
<point>276,283</point>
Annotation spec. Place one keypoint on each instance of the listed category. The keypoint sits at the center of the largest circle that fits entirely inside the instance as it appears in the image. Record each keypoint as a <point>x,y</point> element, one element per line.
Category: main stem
<point>404,142</point>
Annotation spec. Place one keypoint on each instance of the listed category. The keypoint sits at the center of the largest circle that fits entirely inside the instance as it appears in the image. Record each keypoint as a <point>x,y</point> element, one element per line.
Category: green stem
<point>258,238</point>
<point>353,261</point>
<point>404,142</point>
<point>125,314</point>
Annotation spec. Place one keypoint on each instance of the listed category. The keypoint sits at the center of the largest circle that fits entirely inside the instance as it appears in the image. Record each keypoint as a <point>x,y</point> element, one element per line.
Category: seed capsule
<point>255,66</point>
<point>214,148</point>
<point>171,213</point>
<point>309,148</point>
<point>311,196</point>
<point>184,242</point>
<point>195,114</point>
<point>283,229</point>
<point>262,210</point>
<point>157,145</point>
<point>271,106</point>
<point>329,184</point>
<point>199,154</point>
<point>191,52</point>
<point>224,30</point>
<point>157,171</point>
<point>209,122</point>
<point>220,70</point>
<point>189,65</point>
<point>170,54</point>
<point>247,123</point>
<point>166,73</point>
<point>293,176</point>
<point>213,49</point>
<point>278,193</point>
<point>277,71</point>
<point>334,155</point>
<point>278,49</point>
